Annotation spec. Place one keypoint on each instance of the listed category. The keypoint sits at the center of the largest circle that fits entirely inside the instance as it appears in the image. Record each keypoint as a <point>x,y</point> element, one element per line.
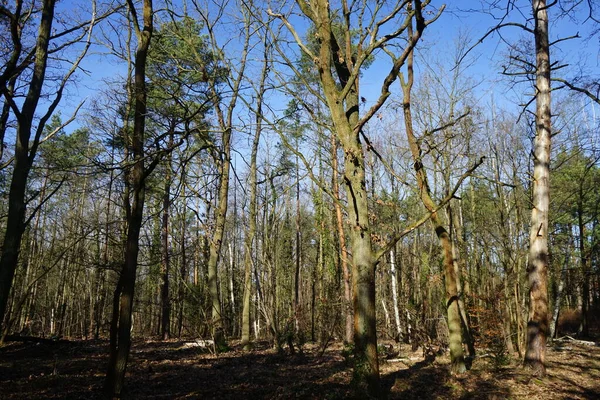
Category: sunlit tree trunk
<point>450,273</point>
<point>394,278</point>
<point>537,268</point>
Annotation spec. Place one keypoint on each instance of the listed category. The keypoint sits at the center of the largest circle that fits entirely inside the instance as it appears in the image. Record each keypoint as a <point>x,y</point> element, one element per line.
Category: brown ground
<point>157,370</point>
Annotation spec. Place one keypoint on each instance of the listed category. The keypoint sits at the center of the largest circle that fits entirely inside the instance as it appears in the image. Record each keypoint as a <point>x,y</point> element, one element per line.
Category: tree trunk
<point>583,329</point>
<point>298,249</point>
<point>537,268</point>
<point>559,295</point>
<point>123,307</point>
<point>394,279</point>
<point>216,242</point>
<point>251,232</point>
<point>450,274</point>
<point>165,326</point>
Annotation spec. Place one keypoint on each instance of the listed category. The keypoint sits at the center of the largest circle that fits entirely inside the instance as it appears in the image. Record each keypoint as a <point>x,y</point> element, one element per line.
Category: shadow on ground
<point>173,370</point>
<point>427,381</point>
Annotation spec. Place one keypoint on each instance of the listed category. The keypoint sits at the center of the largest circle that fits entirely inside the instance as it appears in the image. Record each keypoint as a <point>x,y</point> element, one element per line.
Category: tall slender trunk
<point>165,326</point>
<point>123,298</point>
<point>537,264</point>
<point>226,125</point>
<point>583,329</point>
<point>298,248</point>
<point>217,241</point>
<point>559,294</point>
<point>252,214</point>
<point>450,274</point>
<point>183,270</point>
<point>394,279</point>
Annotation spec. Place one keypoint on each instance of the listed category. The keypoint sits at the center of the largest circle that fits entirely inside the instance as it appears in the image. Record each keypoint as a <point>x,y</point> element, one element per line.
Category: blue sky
<point>438,42</point>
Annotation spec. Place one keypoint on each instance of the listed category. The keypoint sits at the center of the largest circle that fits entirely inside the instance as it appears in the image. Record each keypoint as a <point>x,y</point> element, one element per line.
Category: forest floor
<point>173,370</point>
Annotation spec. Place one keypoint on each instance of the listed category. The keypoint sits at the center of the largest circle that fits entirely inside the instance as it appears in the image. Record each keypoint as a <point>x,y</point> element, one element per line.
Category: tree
<point>451,278</point>
<point>180,65</point>
<point>120,335</point>
<point>339,63</point>
<point>537,264</point>
<point>253,202</point>
<point>233,74</point>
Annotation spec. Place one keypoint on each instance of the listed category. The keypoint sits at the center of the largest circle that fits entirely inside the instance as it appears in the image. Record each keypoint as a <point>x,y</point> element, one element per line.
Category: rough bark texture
<point>23,159</point>
<point>537,268</point>
<point>123,307</point>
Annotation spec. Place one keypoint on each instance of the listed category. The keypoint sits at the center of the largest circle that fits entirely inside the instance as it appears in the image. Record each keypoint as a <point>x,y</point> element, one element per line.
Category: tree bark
<point>537,268</point>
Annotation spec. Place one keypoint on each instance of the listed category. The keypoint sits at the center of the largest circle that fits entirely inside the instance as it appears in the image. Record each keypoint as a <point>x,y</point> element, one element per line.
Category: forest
<point>309,199</point>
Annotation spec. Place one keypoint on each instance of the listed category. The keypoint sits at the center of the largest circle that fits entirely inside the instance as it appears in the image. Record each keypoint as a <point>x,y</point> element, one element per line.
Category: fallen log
<point>576,341</point>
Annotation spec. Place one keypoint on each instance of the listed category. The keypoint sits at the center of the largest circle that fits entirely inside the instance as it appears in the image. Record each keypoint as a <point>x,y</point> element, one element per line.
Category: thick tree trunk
<point>345,116</point>
<point>459,268</point>
<point>537,268</point>
<point>452,298</point>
